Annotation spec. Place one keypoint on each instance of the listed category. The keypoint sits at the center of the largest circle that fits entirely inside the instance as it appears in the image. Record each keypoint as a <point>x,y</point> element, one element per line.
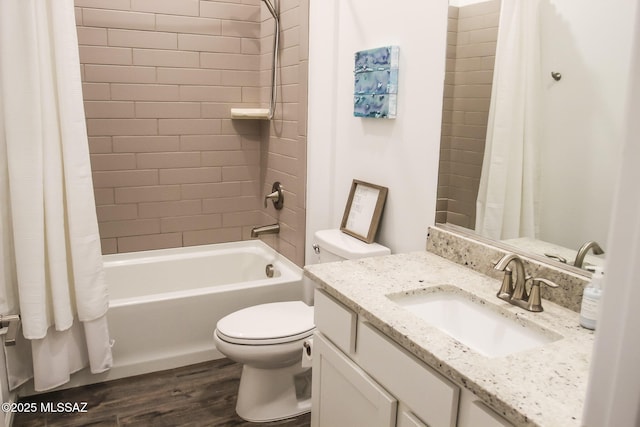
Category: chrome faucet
<point>582,252</point>
<point>265,229</point>
<point>518,295</point>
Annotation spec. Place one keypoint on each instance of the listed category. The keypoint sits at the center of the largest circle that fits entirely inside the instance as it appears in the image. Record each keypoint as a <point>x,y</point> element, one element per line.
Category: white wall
<point>613,397</point>
<point>401,154</point>
<point>590,44</point>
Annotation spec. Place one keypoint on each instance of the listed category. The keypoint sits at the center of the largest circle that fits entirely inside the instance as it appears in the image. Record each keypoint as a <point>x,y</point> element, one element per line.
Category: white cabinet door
<point>343,394</point>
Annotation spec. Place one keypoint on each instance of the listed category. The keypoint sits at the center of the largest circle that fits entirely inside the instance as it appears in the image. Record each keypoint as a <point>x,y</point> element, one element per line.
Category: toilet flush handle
<point>316,248</point>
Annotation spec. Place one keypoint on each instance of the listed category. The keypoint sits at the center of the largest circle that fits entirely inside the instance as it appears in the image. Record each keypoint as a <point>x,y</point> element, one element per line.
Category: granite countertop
<point>544,386</point>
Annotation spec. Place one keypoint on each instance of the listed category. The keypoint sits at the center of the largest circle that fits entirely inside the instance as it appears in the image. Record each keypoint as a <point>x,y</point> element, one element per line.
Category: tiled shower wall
<point>471,48</point>
<point>170,166</point>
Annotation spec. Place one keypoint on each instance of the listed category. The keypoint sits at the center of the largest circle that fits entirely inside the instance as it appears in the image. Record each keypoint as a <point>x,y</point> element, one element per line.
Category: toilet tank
<point>334,245</point>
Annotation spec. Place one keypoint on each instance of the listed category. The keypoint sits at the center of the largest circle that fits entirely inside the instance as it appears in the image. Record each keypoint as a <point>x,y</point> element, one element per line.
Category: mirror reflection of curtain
<point>51,267</point>
<point>507,197</point>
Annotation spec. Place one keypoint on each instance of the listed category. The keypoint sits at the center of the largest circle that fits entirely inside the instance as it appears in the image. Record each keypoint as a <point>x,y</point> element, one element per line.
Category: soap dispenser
<point>591,299</point>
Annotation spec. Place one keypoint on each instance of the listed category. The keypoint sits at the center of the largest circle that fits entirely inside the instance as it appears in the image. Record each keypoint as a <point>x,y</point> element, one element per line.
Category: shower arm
<point>274,62</point>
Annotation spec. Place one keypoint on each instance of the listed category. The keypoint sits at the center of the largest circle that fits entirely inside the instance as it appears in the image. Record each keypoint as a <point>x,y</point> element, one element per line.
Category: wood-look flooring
<point>193,396</point>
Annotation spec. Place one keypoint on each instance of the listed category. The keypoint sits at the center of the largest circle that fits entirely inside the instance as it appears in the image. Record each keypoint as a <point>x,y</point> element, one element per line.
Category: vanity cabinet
<point>363,378</point>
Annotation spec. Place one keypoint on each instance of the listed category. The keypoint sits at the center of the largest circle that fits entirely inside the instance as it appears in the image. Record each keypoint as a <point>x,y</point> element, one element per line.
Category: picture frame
<point>363,210</point>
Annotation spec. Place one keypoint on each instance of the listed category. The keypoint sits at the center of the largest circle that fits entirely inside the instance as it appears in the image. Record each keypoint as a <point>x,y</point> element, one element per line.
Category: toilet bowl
<point>268,340</point>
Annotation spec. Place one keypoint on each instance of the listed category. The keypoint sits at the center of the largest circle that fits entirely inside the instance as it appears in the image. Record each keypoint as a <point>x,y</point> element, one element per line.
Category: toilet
<point>268,340</point>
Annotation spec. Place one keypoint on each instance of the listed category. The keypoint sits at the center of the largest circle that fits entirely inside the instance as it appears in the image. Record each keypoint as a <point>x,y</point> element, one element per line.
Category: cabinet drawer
<point>335,321</point>
<point>429,395</point>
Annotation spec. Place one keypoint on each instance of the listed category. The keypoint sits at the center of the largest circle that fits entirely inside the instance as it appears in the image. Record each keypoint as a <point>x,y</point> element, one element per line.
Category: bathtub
<point>164,304</point>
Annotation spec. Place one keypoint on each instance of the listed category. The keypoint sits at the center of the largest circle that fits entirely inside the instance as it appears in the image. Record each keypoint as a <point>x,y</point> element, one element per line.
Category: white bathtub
<point>164,304</point>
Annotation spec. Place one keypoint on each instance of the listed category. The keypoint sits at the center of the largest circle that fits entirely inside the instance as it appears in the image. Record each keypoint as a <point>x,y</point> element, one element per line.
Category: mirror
<point>579,125</point>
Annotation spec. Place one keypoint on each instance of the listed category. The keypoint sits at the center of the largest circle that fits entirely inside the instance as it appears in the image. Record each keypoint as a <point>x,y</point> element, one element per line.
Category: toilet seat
<point>266,324</point>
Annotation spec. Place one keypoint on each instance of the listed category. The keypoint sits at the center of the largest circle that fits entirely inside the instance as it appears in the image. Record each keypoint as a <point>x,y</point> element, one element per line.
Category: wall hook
<point>556,76</point>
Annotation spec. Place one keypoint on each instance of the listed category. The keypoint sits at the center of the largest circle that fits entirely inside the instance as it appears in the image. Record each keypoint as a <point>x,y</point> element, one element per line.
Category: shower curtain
<point>51,269</point>
<point>506,206</point>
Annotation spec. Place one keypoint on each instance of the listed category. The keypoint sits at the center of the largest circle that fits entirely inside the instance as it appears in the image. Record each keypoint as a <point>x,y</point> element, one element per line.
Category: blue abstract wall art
<point>376,82</point>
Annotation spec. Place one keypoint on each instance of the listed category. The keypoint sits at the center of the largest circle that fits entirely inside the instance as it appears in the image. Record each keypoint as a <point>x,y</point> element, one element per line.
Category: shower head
<point>272,9</point>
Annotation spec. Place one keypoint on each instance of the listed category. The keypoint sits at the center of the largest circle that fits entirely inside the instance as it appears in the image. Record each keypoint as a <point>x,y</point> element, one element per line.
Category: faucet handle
<point>535,302</point>
<point>506,290</point>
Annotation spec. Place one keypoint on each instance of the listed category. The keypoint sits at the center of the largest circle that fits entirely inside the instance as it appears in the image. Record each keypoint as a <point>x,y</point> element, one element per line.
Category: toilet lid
<point>267,323</point>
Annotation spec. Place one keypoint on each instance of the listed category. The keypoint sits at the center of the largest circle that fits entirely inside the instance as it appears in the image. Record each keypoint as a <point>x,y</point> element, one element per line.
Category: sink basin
<point>492,332</point>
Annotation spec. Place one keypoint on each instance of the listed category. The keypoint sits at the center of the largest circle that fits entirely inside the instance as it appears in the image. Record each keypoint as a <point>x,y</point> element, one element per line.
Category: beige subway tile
<point>215,110</point>
<point>190,175</point>
<point>239,219</point>
<point>116,212</point>
<point>210,93</point>
<point>113,127</point>
<point>108,110</point>
<point>477,9</point>
<point>142,92</point>
<point>169,209</point>
<point>289,18</point>
<point>229,61</point>
<point>206,43</point>
<point>468,64</point>
<point>189,223</point>
<point>473,91</point>
<point>149,242</point>
<point>253,95</point>
<point>230,158</point>
<point>92,36</point>
<point>218,235</point>
<point>238,12</point>
<point>104,196</point>
<point>210,142</point>
<point>107,179</point>
<point>129,227</point>
<point>231,204</point>
<point>109,162</point>
<point>240,78</point>
<point>250,46</point>
<point>239,173</point>
<point>188,24</point>
<point>188,126</point>
<point>118,19</point>
<point>476,50</point>
<point>102,4</point>
<point>476,118</point>
<point>240,127</point>
<point>119,74</point>
<point>182,7</point>
<point>96,91</point>
<point>100,144</point>
<point>145,144</point>
<point>168,160</point>
<point>211,190</point>
<point>165,58</point>
<point>147,193</point>
<point>289,75</point>
<point>484,35</point>
<point>471,104</point>
<point>142,39</point>
<point>241,29</point>
<point>109,246</point>
<point>188,76</point>
<point>173,110</point>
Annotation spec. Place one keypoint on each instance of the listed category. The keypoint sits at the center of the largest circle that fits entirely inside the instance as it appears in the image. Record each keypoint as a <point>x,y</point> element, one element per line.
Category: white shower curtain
<point>51,270</point>
<point>506,206</point>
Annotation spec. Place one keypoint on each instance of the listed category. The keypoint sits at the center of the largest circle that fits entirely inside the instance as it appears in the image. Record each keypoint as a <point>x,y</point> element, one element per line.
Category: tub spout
<point>265,229</point>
